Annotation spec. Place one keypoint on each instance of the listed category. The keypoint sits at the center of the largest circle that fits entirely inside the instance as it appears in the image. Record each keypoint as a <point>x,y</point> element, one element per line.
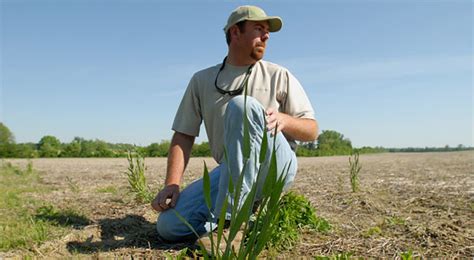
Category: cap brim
<point>274,22</point>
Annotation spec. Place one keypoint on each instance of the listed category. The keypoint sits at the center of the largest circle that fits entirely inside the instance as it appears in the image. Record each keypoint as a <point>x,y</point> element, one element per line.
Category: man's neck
<point>239,60</point>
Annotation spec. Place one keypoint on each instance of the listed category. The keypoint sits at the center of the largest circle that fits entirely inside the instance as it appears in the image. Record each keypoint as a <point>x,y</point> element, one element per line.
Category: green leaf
<point>220,225</point>
<point>238,188</point>
<point>231,182</point>
<point>243,214</point>
<point>264,145</point>
<point>246,141</point>
<point>207,187</point>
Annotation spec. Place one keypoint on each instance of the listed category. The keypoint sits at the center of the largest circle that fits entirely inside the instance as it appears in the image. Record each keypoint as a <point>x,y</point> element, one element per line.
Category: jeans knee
<point>168,226</point>
<point>235,106</point>
<point>238,103</point>
<point>235,109</point>
<point>172,229</point>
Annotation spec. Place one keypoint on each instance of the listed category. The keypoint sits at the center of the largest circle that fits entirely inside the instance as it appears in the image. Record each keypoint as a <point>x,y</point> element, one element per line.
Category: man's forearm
<point>300,129</point>
<point>178,157</point>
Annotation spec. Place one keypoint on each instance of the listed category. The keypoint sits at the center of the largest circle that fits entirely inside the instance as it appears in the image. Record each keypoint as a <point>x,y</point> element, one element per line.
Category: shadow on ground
<point>132,231</point>
<point>62,218</point>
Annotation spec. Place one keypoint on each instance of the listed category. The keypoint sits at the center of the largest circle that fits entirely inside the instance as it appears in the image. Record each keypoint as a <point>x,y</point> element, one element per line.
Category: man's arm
<point>300,129</point>
<point>178,157</point>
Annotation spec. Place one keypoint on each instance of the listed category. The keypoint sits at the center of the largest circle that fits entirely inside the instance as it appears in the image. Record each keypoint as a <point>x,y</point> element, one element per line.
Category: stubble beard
<point>257,53</point>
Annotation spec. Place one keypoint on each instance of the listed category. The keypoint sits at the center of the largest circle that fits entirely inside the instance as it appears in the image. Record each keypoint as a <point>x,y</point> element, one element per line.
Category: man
<point>215,95</point>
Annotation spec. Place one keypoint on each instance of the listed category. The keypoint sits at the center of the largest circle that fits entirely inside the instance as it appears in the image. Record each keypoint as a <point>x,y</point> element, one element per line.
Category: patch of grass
<point>373,231</point>
<point>136,178</point>
<point>394,221</point>
<point>67,217</point>
<point>19,226</point>
<point>408,256</point>
<point>180,255</point>
<point>295,214</point>
<point>108,189</point>
<point>339,256</point>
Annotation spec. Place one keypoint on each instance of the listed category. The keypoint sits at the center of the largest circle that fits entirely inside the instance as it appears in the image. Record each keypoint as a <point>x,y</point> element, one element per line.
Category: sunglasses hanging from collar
<point>236,91</point>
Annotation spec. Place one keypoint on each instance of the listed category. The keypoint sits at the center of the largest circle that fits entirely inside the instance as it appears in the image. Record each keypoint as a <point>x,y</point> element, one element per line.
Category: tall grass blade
<point>264,146</point>
<point>246,139</point>
<point>207,198</point>
<point>231,182</point>
<point>220,225</point>
<point>207,187</point>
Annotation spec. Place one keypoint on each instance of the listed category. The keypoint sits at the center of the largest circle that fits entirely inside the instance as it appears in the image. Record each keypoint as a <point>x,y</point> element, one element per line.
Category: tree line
<point>329,143</point>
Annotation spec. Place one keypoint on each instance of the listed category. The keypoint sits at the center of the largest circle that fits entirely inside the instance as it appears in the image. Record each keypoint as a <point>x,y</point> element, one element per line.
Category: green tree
<point>157,149</point>
<point>7,142</point>
<point>49,146</point>
<point>73,149</point>
<point>102,149</point>
<point>88,148</point>
<point>331,142</point>
<point>201,150</point>
<point>26,150</point>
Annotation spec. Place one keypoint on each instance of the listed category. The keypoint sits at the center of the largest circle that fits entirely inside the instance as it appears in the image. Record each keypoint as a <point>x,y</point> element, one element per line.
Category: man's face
<point>253,39</point>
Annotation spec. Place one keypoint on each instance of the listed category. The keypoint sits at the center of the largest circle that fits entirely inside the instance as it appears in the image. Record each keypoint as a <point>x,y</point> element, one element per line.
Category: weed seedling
<point>354,169</point>
<point>136,178</point>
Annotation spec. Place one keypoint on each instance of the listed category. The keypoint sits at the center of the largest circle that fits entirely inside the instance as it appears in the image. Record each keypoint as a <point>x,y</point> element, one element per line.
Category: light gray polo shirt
<point>272,85</point>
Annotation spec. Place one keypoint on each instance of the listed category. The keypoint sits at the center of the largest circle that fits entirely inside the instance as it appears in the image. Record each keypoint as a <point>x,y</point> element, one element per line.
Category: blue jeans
<point>191,203</point>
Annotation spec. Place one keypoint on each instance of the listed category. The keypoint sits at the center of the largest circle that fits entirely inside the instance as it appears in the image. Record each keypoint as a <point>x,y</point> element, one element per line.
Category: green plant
<point>29,167</point>
<point>256,236</point>
<point>108,189</point>
<point>373,231</point>
<point>72,185</point>
<point>136,177</point>
<point>339,256</point>
<point>182,254</point>
<point>394,221</point>
<point>408,255</point>
<point>354,169</point>
<point>294,214</point>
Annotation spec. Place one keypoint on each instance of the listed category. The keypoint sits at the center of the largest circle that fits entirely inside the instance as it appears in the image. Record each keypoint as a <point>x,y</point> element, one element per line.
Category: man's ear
<point>234,32</point>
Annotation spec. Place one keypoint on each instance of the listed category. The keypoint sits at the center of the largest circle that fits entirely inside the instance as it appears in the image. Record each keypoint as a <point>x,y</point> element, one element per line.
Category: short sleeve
<point>188,118</point>
<point>296,103</point>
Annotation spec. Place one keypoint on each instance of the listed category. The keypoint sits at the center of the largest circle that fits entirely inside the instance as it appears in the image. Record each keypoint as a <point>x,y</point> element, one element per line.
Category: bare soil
<point>423,202</point>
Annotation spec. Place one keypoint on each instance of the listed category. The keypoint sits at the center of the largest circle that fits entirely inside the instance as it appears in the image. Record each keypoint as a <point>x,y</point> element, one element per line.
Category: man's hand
<point>166,198</point>
<point>300,129</point>
<point>275,119</point>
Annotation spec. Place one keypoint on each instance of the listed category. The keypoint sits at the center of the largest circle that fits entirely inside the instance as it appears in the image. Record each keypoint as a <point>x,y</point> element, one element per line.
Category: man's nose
<point>265,36</point>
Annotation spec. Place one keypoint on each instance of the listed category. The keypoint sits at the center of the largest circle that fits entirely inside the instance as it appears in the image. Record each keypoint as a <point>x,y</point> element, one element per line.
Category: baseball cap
<point>253,13</point>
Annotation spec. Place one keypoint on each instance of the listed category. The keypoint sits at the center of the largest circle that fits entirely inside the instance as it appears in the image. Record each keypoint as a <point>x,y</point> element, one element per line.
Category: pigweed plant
<point>136,177</point>
<point>256,236</point>
<point>354,169</point>
<point>295,213</point>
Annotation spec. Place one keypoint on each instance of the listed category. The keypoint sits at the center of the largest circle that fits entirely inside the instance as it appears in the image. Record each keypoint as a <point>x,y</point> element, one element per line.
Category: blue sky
<point>383,73</point>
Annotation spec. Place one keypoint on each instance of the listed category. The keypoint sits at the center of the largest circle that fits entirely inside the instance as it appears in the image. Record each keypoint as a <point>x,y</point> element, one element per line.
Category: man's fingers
<point>156,206</point>
<point>163,202</point>
<point>271,125</point>
<point>270,111</point>
<point>174,199</point>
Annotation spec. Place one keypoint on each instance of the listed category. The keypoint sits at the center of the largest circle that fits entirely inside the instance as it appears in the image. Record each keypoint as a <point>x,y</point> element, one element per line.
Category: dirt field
<point>422,202</point>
